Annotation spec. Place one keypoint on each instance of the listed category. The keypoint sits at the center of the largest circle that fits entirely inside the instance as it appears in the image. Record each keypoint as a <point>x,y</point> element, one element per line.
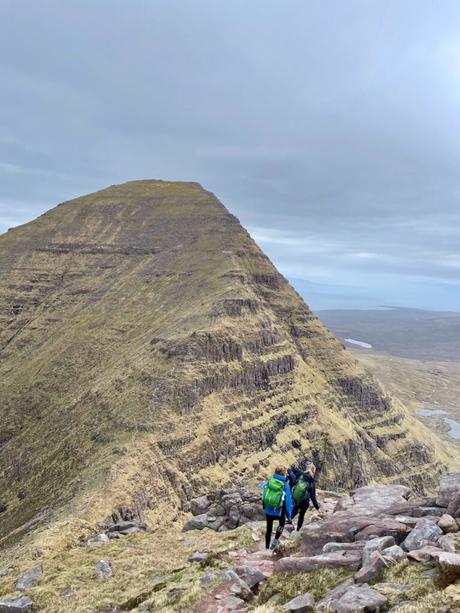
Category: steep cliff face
<point>149,350</point>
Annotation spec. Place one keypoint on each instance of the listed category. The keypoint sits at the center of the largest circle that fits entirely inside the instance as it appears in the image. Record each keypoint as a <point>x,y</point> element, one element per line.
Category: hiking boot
<point>274,544</point>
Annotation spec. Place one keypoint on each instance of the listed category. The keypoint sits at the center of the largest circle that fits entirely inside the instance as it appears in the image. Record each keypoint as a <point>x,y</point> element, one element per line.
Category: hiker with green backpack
<point>304,490</point>
<point>277,503</point>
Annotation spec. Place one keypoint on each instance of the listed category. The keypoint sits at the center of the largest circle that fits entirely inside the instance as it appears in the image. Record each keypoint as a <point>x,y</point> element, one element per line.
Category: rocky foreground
<point>366,533</point>
<point>379,549</point>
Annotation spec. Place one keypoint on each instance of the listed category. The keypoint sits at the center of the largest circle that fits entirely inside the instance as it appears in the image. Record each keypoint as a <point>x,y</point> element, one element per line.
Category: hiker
<point>303,491</point>
<point>277,503</point>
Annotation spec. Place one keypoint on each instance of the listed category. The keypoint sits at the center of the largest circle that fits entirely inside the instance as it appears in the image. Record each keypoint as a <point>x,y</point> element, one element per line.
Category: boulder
<point>424,532</point>
<point>384,527</point>
<point>453,508</point>
<point>325,604</point>
<point>424,554</point>
<point>20,604</point>
<point>27,579</point>
<point>196,523</point>
<point>239,587</point>
<point>233,603</point>
<point>449,489</point>
<point>447,523</point>
<point>449,564</point>
<point>336,559</point>
<point>104,569</point>
<point>394,554</point>
<point>447,542</point>
<point>199,505</point>
<point>376,544</point>
<point>374,567</point>
<point>250,575</point>
<point>359,599</point>
<point>301,604</point>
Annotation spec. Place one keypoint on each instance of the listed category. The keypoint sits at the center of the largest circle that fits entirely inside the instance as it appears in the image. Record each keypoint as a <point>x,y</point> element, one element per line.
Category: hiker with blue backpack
<point>277,503</point>
<point>304,490</point>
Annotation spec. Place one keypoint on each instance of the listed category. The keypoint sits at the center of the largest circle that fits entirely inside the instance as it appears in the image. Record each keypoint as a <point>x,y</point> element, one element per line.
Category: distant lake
<point>359,343</point>
<point>454,425</point>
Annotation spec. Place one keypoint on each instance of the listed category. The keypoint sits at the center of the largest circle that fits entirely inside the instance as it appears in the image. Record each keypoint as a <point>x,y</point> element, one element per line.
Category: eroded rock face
<point>225,509</point>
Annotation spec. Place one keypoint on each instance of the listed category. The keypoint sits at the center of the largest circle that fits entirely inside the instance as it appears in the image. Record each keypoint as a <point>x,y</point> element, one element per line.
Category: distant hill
<point>408,333</point>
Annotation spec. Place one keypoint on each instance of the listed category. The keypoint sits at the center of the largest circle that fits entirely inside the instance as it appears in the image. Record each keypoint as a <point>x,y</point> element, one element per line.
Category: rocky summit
<point>151,353</point>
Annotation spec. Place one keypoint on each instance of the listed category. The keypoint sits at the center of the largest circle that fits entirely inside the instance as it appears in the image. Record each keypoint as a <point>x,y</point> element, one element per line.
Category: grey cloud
<point>330,129</point>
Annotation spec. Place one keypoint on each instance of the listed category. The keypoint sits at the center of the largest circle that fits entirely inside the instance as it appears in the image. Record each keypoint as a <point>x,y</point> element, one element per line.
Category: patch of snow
<point>359,343</point>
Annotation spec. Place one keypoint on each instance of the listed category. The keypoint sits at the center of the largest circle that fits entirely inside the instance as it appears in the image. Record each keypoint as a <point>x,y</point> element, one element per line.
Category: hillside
<point>150,351</point>
<point>409,333</point>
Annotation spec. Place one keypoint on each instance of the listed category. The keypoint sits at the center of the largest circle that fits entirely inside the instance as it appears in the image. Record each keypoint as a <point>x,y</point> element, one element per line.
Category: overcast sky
<point>330,128</point>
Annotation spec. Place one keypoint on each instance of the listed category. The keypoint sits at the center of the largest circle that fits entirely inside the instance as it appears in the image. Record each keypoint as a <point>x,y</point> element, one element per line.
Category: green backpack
<point>272,498</point>
<point>301,490</point>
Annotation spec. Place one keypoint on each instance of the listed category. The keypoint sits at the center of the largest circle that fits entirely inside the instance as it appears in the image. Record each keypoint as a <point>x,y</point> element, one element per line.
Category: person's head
<point>310,468</point>
<point>280,470</point>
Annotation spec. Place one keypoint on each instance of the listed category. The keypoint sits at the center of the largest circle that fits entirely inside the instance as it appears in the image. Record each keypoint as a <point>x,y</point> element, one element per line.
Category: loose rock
<point>104,568</point>
<point>27,579</point>
<point>447,523</point>
<point>301,604</point>
<point>359,599</point>
<point>424,532</point>
<point>449,489</point>
<point>16,605</point>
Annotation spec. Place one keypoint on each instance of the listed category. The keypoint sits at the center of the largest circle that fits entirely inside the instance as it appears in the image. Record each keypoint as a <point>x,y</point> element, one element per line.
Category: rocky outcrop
<point>225,509</point>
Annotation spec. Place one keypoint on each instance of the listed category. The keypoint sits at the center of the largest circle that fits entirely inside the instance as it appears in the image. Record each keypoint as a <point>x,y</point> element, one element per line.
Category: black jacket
<point>310,494</point>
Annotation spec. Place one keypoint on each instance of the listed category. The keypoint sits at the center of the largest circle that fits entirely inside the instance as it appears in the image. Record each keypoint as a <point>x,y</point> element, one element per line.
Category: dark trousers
<point>301,509</point>
<point>268,533</point>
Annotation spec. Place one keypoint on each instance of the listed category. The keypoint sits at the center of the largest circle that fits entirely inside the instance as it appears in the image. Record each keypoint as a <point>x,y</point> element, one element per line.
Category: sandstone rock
<point>239,587</point>
<point>250,575</point>
<point>300,604</point>
<point>325,604</point>
<point>233,603</point>
<point>198,556</point>
<point>27,579</point>
<point>428,511</point>
<point>376,544</point>
<point>423,532</point>
<point>374,567</point>
<point>453,508</point>
<point>359,599</point>
<point>449,489</point>
<point>447,542</point>
<point>447,523</point>
<point>424,554</point>
<point>384,527</point>
<point>449,564</point>
<point>329,547</point>
<point>199,505</point>
<point>20,604</point>
<point>104,569</point>
<point>394,554</point>
<point>337,559</point>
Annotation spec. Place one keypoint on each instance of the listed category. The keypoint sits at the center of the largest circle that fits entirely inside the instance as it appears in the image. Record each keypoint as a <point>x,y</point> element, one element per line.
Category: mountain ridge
<point>150,350</point>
